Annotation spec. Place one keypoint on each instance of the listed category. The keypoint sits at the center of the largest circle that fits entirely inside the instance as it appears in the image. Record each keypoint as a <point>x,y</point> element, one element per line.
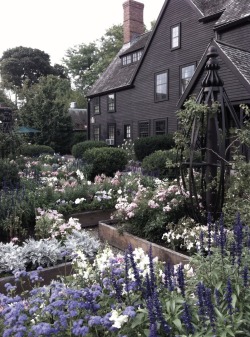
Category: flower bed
<point>137,295</point>
<point>23,281</point>
<point>110,234</point>
<point>92,218</point>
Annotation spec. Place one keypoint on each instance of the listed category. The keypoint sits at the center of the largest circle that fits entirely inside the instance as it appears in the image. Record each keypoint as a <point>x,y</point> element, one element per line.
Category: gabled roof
<point>117,76</point>
<point>235,10</point>
<point>210,7</point>
<point>138,44</point>
<point>236,59</point>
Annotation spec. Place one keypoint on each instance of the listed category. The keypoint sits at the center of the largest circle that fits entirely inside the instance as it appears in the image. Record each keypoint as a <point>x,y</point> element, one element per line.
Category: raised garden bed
<point>110,234</point>
<point>48,274</point>
<point>92,218</point>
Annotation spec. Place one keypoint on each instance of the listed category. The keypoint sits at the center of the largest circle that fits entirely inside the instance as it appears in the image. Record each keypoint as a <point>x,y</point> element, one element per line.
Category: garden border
<point>108,233</point>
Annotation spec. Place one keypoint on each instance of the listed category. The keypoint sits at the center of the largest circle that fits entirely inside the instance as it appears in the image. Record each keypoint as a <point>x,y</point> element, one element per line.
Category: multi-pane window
<point>161,86</point>
<point>96,105</point>
<point>160,127</point>
<point>186,75</point>
<point>111,131</point>
<point>137,55</point>
<point>127,131</point>
<point>111,102</point>
<point>131,58</point>
<point>143,129</point>
<point>126,59</point>
<point>97,133</point>
<point>176,36</point>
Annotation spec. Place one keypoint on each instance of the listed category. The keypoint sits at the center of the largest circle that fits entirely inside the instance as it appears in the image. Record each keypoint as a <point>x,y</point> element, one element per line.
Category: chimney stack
<point>133,24</point>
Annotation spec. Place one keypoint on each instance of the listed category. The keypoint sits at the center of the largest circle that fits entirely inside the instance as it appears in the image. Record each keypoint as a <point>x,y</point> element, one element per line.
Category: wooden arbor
<point>208,136</point>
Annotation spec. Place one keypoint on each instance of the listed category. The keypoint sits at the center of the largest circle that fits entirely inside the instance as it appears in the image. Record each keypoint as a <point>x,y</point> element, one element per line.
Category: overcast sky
<point>53,26</point>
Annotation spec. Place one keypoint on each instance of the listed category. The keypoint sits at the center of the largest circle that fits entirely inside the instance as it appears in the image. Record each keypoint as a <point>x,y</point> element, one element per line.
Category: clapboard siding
<point>160,57</point>
<point>137,103</point>
<point>238,36</point>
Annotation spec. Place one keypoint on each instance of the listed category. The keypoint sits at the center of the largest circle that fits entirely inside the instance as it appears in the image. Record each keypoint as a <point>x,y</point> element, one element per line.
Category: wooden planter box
<point>48,274</point>
<point>109,234</point>
<point>92,218</point>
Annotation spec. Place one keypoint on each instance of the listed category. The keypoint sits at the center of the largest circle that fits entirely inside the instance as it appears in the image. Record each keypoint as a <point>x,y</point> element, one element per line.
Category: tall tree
<point>5,101</point>
<point>21,65</point>
<point>45,108</point>
<point>86,62</point>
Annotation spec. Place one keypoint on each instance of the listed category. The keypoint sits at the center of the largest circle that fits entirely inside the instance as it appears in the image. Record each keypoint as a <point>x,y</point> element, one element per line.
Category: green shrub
<point>78,137</point>
<point>8,173</point>
<point>10,144</point>
<point>156,164</point>
<point>79,149</point>
<point>105,160</point>
<point>35,150</point>
<point>145,146</point>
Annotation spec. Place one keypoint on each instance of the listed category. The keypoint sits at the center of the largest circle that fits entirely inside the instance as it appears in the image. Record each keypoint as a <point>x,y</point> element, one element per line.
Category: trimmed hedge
<point>34,150</point>
<point>155,164</point>
<point>79,149</point>
<point>143,147</point>
<point>105,160</point>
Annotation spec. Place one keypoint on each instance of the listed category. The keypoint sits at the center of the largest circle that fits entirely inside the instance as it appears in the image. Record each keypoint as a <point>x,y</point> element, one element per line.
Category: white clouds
<point>56,25</point>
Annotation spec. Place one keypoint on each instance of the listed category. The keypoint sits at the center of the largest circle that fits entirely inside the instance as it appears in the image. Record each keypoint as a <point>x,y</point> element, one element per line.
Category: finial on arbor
<point>212,78</point>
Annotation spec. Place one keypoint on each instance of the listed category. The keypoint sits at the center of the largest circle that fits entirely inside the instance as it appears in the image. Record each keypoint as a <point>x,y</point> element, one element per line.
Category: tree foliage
<point>5,101</point>
<point>21,65</point>
<point>46,109</point>
<point>86,62</point>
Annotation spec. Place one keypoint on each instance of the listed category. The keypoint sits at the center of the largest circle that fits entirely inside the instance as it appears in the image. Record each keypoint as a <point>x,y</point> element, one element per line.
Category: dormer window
<point>131,58</point>
<point>126,60</point>
<point>137,55</point>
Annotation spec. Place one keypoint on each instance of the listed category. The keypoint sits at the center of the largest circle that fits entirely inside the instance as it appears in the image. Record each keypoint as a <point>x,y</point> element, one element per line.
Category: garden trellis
<point>208,135</point>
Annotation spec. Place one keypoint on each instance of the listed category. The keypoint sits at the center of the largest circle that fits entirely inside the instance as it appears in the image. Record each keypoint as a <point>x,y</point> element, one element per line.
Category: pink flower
<point>14,240</point>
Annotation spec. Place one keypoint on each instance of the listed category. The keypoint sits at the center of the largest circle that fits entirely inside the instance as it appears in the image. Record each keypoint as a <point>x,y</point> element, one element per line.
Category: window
<point>137,55</point>
<point>186,75</point>
<point>176,36</point>
<point>160,127</point>
<point>96,133</point>
<point>96,105</point>
<point>161,86</point>
<point>111,131</point>
<point>111,102</point>
<point>127,131</point>
<point>131,58</point>
<point>143,129</point>
<point>126,59</point>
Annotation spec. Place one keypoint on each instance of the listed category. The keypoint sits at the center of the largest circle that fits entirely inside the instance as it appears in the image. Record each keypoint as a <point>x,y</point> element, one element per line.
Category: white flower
<point>118,320</point>
<point>79,200</point>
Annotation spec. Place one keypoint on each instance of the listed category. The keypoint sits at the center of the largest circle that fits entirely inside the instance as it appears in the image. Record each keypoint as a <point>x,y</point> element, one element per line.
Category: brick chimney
<point>133,24</point>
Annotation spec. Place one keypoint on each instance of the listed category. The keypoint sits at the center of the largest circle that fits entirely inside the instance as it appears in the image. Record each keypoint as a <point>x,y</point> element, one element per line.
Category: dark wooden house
<point>155,72</point>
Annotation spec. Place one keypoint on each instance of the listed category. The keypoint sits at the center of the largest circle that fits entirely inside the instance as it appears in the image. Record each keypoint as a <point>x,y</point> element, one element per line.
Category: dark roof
<point>138,44</point>
<point>236,59</point>
<point>117,76</point>
<point>79,118</point>
<point>240,58</point>
<point>235,11</point>
<point>210,7</point>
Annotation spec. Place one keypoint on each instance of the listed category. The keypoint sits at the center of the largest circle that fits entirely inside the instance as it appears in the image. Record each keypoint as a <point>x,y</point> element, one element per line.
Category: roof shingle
<point>240,58</point>
<point>235,10</point>
<point>117,76</point>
